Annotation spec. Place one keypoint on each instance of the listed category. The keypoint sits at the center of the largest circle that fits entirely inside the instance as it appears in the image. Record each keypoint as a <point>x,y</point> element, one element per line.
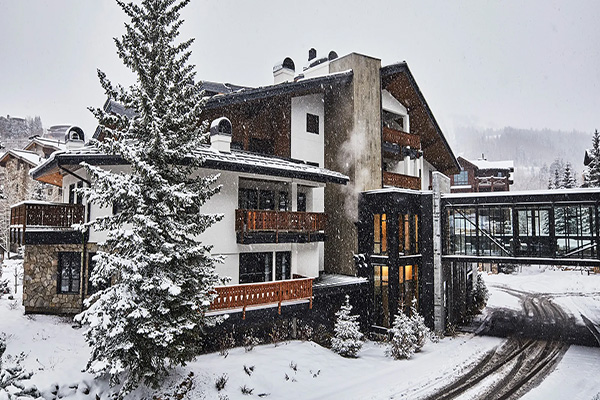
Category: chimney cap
<point>287,63</point>
<point>221,126</point>
<point>312,53</point>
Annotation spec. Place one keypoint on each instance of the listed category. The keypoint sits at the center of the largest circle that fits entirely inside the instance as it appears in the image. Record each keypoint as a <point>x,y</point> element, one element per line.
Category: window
<point>69,272</point>
<point>256,267</point>
<point>393,121</point>
<point>379,234</point>
<point>462,178</point>
<point>312,123</point>
<point>283,265</point>
<point>283,201</point>
<point>72,193</point>
<point>79,196</point>
<point>266,200</point>
<point>302,202</point>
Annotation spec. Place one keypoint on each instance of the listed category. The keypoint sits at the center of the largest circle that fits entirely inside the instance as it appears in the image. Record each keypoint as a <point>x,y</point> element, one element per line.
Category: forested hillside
<point>533,151</point>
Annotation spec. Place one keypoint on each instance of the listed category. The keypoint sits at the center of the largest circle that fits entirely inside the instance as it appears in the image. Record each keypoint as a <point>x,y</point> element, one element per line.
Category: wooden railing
<point>401,181</point>
<point>47,215</point>
<point>255,294</point>
<point>401,138</point>
<point>290,221</point>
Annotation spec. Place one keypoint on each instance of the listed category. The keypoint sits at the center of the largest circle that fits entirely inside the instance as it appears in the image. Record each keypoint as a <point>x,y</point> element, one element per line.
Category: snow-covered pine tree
<point>592,172</point>
<point>403,342</point>
<point>153,315</point>
<point>569,180</point>
<point>480,295</point>
<point>347,340</point>
<point>420,330</point>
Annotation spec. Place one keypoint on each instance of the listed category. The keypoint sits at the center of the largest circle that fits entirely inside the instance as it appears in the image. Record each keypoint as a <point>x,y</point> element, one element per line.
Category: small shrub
<point>249,370</point>
<point>246,390</point>
<point>480,295</point>
<point>221,382</point>
<point>294,366</point>
<point>347,340</point>
<point>278,334</point>
<point>403,342</point>
<point>249,342</point>
<point>226,342</point>
<point>305,332</point>
<point>420,330</point>
<point>4,286</point>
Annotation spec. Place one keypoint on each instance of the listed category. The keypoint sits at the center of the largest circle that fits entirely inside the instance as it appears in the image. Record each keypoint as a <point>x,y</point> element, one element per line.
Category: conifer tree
<point>592,173</point>
<point>152,317</point>
<point>568,180</point>
<point>403,342</point>
<point>420,330</point>
<point>348,339</point>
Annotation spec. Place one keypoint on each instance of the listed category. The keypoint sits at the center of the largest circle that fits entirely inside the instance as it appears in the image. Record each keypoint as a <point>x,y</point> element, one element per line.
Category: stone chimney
<point>284,71</point>
<point>220,135</point>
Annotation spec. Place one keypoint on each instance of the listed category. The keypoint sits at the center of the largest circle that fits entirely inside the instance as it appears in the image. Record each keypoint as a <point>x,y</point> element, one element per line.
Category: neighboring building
<point>482,176</point>
<point>18,185</point>
<point>271,228</point>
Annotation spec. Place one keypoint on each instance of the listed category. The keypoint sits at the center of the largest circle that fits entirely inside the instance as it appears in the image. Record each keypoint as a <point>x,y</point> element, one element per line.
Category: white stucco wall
<point>304,145</point>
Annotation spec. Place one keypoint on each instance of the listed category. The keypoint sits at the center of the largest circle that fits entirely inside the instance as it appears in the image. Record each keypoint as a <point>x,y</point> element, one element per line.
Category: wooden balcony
<point>276,226</point>
<point>46,215</point>
<point>257,294</point>
<point>401,181</point>
<point>401,138</point>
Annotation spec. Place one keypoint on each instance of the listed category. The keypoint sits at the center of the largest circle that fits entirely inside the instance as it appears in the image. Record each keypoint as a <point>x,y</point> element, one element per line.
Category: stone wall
<point>40,270</point>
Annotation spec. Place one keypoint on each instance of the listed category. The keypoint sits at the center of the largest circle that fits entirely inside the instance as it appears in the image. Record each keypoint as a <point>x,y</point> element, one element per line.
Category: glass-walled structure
<point>391,226</point>
<point>549,226</point>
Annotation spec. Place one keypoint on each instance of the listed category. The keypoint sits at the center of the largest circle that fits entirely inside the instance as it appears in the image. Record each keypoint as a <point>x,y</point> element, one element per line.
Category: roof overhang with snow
<point>61,163</point>
<point>399,81</point>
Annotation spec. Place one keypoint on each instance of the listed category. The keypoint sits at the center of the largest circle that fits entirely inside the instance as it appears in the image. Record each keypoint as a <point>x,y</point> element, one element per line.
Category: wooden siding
<point>401,181</point>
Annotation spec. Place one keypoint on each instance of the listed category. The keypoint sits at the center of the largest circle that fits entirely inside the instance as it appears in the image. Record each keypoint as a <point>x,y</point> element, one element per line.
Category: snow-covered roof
<point>237,160</point>
<point>47,142</point>
<point>525,193</point>
<point>485,164</point>
<point>28,156</point>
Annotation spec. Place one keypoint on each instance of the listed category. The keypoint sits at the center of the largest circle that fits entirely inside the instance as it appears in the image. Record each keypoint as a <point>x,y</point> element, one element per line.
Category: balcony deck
<point>260,294</point>
<point>401,181</point>
<point>268,226</point>
<point>46,215</point>
<point>401,138</point>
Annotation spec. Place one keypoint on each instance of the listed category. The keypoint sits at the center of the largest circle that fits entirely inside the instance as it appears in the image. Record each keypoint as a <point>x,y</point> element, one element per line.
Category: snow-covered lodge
<point>482,175</point>
<point>293,158</point>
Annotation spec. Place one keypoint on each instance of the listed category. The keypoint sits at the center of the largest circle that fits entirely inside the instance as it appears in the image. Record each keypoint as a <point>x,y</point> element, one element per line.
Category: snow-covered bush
<point>12,376</point>
<point>421,332</point>
<point>403,343</point>
<point>480,295</point>
<point>347,340</point>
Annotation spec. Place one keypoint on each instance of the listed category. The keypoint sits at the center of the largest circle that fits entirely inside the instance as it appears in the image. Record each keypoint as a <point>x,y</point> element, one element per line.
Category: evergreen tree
<point>403,343</point>
<point>420,330</point>
<point>568,180</point>
<point>152,317</point>
<point>592,173</point>
<point>348,339</point>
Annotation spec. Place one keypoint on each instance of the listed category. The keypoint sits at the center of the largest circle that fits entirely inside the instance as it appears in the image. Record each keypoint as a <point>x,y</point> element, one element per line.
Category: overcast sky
<point>526,64</point>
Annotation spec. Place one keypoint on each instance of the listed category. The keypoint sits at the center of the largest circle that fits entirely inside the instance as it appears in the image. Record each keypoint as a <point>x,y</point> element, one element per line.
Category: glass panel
<point>383,234</point>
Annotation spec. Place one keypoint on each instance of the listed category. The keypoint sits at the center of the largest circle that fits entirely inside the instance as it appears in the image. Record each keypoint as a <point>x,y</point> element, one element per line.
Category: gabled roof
<point>399,81</point>
<point>29,157</point>
<point>238,161</point>
<point>308,85</point>
<point>46,142</point>
<point>480,164</point>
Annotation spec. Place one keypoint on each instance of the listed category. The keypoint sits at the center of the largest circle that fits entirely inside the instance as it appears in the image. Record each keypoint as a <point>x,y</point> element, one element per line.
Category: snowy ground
<point>57,353</point>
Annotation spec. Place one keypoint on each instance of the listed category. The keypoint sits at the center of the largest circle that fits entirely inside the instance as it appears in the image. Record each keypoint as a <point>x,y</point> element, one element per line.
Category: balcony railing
<point>248,221</point>
<point>401,181</point>
<point>401,138</point>
<point>256,294</point>
<point>49,215</point>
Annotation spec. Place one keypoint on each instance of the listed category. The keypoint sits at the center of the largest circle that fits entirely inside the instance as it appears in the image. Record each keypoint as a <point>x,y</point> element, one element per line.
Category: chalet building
<point>482,176</point>
<point>348,114</point>
<point>361,130</point>
<point>273,224</point>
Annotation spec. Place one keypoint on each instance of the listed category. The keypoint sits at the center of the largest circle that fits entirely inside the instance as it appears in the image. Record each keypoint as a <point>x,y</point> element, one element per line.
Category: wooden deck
<point>50,215</point>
